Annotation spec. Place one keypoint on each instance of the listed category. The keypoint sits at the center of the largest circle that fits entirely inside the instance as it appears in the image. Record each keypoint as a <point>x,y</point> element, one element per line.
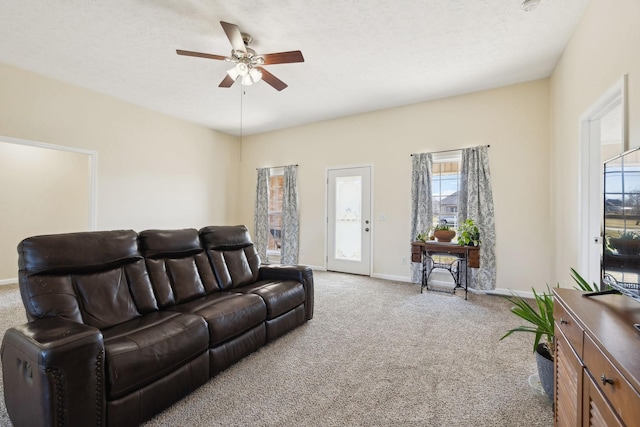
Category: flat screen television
<point>621,227</point>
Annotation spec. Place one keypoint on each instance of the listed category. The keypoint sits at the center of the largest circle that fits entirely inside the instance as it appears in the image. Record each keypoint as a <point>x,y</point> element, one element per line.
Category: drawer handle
<point>563,322</point>
<point>605,380</point>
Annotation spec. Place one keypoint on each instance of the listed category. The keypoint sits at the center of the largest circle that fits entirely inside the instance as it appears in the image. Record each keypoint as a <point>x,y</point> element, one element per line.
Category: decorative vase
<point>544,360</point>
<point>444,235</point>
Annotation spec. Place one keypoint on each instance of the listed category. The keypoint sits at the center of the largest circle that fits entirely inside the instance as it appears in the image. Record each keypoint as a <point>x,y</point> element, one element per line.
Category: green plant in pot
<point>423,237</point>
<point>444,233</point>
<point>539,315</point>
<point>582,284</point>
<point>627,243</point>
<point>468,234</point>
<point>540,318</point>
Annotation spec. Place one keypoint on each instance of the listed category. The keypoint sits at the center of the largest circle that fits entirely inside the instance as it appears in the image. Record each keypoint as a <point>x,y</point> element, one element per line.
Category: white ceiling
<point>360,55</point>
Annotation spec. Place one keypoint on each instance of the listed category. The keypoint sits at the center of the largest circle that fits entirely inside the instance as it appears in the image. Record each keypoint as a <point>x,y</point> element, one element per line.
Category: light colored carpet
<point>377,353</point>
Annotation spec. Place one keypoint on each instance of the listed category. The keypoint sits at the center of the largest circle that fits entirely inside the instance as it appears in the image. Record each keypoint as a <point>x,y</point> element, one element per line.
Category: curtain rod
<point>276,167</point>
<point>447,151</point>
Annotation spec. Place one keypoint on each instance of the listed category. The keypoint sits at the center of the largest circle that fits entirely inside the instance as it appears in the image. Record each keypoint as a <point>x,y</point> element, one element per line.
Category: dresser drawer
<point>596,411</point>
<point>620,394</point>
<point>569,327</point>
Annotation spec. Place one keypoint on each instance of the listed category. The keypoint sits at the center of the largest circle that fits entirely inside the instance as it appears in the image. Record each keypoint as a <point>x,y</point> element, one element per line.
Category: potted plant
<point>542,325</point>
<point>582,284</point>
<point>468,234</point>
<point>423,237</point>
<point>444,233</point>
<point>627,243</point>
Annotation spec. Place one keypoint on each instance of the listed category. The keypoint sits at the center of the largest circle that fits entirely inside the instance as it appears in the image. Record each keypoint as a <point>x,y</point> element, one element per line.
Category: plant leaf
<point>539,314</point>
<point>582,283</point>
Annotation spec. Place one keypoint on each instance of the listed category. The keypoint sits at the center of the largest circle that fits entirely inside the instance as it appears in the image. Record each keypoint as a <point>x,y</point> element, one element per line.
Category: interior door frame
<point>326,210</point>
<point>590,174</point>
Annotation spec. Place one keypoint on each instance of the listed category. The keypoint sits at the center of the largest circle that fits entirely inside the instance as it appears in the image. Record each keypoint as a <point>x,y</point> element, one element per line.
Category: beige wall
<point>153,171</point>
<point>604,47</point>
<point>513,120</point>
<point>43,191</point>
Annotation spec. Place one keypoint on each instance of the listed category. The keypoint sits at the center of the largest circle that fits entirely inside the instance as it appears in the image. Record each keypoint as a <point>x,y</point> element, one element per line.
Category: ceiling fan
<point>248,64</point>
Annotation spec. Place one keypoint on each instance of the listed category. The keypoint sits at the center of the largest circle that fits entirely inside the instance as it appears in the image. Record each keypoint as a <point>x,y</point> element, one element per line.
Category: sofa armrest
<point>53,373</point>
<point>301,273</point>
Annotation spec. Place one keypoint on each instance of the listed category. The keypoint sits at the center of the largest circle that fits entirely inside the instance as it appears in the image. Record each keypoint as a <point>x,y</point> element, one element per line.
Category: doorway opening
<point>45,189</point>
<point>603,135</point>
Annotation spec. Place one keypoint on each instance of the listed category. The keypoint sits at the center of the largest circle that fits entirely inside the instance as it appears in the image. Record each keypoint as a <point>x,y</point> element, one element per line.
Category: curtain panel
<point>476,202</point>
<point>290,218</point>
<point>421,206</point>
<point>261,218</point>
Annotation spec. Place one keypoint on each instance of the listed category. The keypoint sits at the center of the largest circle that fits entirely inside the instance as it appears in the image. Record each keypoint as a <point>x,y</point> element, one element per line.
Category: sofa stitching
<point>55,376</point>
<point>99,386</point>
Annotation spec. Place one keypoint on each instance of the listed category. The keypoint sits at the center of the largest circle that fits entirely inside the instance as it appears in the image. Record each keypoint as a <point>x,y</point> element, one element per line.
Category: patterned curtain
<point>261,219</point>
<point>421,206</point>
<point>290,220</point>
<point>476,202</point>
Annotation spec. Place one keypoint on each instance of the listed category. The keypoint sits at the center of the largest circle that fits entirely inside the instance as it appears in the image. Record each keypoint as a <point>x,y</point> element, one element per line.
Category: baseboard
<point>8,281</point>
<point>391,277</point>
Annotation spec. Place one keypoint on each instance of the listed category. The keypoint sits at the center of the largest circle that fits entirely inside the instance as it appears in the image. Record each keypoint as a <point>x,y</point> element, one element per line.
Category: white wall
<point>514,120</point>
<point>153,171</point>
<point>604,47</point>
<point>43,191</point>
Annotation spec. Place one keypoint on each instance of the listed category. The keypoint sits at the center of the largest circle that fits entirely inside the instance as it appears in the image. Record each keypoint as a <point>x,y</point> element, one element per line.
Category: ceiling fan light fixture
<point>529,5</point>
<point>233,73</point>
<point>255,74</point>
<point>246,80</point>
<point>242,69</point>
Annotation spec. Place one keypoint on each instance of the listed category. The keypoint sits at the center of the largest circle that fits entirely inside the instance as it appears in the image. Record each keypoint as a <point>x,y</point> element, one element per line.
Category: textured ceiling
<point>359,55</point>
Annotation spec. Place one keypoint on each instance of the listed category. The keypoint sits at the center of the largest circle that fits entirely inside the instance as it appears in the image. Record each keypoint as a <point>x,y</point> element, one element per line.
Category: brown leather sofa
<point>121,324</point>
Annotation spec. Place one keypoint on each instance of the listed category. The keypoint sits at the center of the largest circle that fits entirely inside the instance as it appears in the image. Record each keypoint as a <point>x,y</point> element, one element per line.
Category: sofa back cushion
<point>178,265</point>
<point>97,278</point>
<point>232,253</point>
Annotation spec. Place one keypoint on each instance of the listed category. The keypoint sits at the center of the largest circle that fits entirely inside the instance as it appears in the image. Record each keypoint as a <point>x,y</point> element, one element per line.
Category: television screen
<point>621,243</point>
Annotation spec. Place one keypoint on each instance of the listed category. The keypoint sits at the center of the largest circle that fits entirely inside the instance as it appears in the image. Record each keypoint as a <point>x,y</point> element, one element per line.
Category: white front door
<point>349,220</point>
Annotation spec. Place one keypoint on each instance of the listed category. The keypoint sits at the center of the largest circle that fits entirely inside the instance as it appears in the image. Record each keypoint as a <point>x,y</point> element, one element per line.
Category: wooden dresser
<point>597,369</point>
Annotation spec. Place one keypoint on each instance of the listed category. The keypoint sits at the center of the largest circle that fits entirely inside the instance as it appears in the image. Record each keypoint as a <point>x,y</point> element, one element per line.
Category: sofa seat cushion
<point>228,314</point>
<point>150,347</point>
<point>280,296</point>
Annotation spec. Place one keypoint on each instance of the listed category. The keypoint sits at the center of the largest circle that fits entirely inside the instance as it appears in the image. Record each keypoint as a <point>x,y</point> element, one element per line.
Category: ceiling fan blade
<point>283,57</point>
<point>272,80</point>
<point>200,54</point>
<point>234,35</point>
<point>228,81</point>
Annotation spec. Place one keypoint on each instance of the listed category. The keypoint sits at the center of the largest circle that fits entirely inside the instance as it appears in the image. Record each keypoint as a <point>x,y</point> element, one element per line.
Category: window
<point>276,191</point>
<point>445,184</point>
